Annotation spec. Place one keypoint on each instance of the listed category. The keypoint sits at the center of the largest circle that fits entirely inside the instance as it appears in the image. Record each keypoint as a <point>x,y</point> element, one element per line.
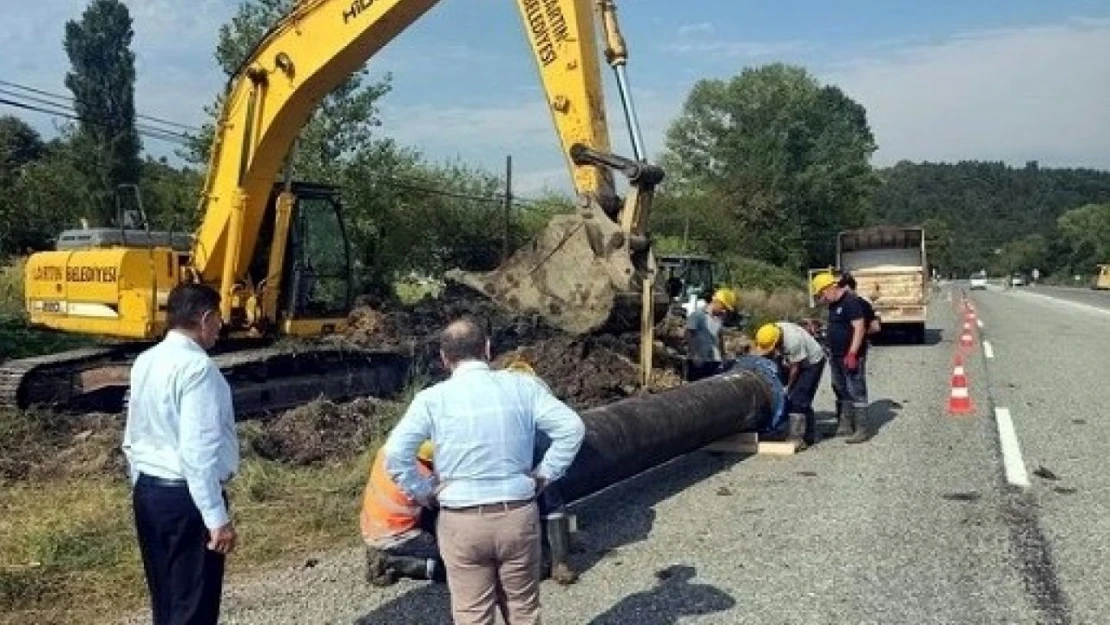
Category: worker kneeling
<point>399,533</point>
<point>804,360</point>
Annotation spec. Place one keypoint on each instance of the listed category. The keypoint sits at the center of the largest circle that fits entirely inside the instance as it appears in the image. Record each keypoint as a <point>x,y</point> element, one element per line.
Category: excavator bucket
<point>579,274</point>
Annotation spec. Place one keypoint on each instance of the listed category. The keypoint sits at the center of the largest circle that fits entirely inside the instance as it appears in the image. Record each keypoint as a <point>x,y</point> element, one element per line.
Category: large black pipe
<point>628,437</point>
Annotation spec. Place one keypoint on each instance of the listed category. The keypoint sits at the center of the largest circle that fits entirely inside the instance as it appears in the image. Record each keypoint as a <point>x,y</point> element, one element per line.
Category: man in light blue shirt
<point>483,426</point>
<point>181,449</point>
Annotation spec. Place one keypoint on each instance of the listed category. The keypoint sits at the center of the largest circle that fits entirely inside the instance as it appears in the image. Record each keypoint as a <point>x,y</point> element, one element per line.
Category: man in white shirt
<point>483,424</point>
<point>181,449</point>
<point>804,358</point>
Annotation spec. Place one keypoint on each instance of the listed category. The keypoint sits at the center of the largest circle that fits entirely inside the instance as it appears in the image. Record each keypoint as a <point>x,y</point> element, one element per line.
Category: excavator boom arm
<point>317,46</point>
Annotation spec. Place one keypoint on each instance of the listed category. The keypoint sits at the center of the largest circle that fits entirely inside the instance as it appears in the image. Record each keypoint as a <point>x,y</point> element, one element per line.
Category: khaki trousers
<point>492,561</point>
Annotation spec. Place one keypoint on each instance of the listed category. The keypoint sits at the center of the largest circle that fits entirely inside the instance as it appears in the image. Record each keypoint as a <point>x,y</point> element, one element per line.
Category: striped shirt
<point>483,425</point>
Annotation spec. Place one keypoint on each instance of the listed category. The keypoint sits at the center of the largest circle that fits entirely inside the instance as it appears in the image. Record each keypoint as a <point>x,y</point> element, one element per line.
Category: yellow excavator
<point>276,249</point>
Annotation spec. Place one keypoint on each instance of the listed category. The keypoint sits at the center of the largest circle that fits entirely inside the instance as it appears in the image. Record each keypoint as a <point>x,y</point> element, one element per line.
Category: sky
<point>1000,80</point>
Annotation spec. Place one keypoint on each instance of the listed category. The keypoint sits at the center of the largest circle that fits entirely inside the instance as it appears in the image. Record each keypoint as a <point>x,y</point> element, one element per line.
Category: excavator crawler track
<point>262,379</point>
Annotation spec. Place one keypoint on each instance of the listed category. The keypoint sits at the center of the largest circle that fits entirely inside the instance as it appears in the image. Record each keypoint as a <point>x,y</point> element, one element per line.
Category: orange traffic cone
<point>966,340</point>
<point>959,377</point>
<point>959,401</point>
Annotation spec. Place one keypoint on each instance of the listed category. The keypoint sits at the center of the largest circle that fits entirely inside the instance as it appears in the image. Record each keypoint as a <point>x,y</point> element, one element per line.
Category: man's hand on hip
<point>222,539</point>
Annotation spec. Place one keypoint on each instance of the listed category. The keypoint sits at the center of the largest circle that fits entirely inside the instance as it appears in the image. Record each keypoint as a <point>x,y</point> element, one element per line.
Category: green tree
<point>987,205</point>
<point>1086,232</point>
<point>170,195</point>
<point>19,145</point>
<point>102,80</point>
<point>773,162</point>
<point>938,244</point>
<point>44,200</point>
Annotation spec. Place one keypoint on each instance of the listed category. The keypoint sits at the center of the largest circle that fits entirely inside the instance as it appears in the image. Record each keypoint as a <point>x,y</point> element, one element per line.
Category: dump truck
<point>890,267</point>
<point>1102,278</point>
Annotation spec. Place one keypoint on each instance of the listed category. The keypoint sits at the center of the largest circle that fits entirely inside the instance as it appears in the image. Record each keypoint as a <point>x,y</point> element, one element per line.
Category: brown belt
<point>486,508</point>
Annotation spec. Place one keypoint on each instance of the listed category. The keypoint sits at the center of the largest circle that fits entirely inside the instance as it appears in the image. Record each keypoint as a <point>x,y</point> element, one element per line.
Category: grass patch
<point>411,290</point>
<point>761,306</point>
<point>72,556</point>
<point>748,273</point>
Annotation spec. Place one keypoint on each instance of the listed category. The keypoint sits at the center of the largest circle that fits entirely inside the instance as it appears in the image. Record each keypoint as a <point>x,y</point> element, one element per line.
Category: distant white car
<point>979,281</point>
<point>1017,281</point>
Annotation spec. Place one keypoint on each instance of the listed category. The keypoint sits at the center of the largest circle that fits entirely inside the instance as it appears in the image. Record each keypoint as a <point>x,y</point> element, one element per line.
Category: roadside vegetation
<point>68,550</point>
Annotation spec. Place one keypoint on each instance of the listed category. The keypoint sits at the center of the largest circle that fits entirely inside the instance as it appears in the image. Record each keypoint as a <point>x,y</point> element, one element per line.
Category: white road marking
<point>988,349</point>
<point>1011,450</point>
<point>1063,302</point>
<point>979,322</point>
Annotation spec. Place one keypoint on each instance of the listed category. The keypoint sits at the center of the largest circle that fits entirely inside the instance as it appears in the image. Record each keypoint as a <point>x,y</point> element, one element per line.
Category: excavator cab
<point>311,288</point>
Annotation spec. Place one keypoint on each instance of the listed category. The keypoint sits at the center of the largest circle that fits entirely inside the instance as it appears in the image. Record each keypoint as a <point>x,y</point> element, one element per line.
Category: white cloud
<point>1037,93</point>
<point>689,30</point>
<point>735,49</point>
<point>485,134</point>
<point>174,43</point>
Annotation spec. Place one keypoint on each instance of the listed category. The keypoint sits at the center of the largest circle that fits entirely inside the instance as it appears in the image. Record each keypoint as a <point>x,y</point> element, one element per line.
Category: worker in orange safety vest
<point>399,533</point>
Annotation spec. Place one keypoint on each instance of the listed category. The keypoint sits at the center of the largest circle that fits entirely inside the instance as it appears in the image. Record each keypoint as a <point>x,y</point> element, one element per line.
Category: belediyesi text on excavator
<point>276,249</point>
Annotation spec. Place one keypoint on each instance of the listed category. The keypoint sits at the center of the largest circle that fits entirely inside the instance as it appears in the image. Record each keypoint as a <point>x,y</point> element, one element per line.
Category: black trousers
<point>185,578</point>
<point>800,398</point>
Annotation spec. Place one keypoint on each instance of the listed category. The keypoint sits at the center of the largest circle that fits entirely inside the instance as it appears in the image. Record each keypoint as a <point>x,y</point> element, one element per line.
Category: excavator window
<point>319,271</point>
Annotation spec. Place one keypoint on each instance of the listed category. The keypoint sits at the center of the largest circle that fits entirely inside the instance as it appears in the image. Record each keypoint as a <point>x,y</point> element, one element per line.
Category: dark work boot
<point>810,436</point>
<point>408,567</point>
<point>859,424</point>
<point>377,570</point>
<point>557,529</point>
<point>845,424</point>
<point>795,430</point>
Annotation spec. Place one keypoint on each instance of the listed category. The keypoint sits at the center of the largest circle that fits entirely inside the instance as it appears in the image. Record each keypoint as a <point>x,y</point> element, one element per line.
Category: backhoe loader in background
<point>277,252</point>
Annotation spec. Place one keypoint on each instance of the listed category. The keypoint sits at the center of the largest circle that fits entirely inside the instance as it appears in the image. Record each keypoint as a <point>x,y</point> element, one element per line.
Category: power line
<point>162,135</point>
<point>69,110</point>
<point>65,109</point>
<point>70,100</point>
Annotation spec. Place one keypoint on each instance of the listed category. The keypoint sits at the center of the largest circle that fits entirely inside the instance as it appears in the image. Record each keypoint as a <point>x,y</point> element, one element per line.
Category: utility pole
<point>508,205</point>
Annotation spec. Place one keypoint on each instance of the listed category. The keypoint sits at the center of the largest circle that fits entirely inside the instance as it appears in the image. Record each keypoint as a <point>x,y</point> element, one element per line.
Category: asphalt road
<point>921,524</point>
<point>1090,297</point>
<point>1050,371</point>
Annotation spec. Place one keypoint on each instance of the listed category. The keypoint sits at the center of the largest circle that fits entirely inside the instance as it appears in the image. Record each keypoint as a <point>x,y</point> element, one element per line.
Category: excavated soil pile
<point>583,371</point>
<point>48,445</point>
<point>323,430</point>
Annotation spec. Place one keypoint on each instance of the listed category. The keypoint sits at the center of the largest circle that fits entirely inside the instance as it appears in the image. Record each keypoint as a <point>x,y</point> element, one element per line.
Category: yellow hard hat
<point>821,282</point>
<point>766,338</point>
<point>520,366</point>
<point>727,298</point>
<point>426,451</point>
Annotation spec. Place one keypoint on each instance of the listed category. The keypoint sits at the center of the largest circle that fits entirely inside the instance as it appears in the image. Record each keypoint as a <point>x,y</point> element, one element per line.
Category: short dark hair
<point>848,281</point>
<point>463,339</point>
<point>187,303</point>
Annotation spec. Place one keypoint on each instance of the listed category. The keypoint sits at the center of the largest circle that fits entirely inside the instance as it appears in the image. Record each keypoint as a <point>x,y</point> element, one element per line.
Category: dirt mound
<point>584,371</point>
<point>45,445</point>
<point>323,430</point>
